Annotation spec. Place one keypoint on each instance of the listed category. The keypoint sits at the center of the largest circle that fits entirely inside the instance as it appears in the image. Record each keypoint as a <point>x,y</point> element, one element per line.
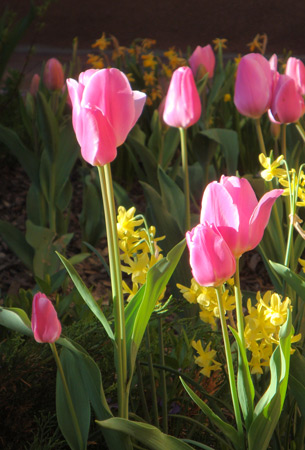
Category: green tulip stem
<point>260,136</point>
<point>229,361</point>
<point>116,284</point>
<point>68,395</point>
<point>239,305</point>
<point>283,140</point>
<point>186,183</point>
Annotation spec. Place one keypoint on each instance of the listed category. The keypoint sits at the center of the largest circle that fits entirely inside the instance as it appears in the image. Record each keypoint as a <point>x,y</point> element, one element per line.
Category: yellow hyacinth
<point>205,358</point>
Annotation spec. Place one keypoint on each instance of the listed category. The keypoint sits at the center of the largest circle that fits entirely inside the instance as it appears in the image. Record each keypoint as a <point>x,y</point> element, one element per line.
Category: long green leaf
<point>17,243</point>
<point>173,198</point>
<point>48,126</point>
<point>16,319</point>
<point>269,407</point>
<point>149,435</point>
<point>87,296</point>
<point>226,428</point>
<point>294,280</point>
<point>297,379</point>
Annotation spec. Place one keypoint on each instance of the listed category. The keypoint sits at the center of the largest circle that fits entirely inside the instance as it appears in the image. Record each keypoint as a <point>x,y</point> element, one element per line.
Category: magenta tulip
<point>182,105</point>
<point>296,70</point>
<point>231,205</point>
<point>105,109</point>
<point>287,102</point>
<point>211,259</point>
<point>53,75</point>
<point>202,61</point>
<point>45,324</point>
<point>253,86</point>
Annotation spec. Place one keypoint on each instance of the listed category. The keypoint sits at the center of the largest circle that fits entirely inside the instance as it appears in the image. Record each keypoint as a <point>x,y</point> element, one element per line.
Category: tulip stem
<point>283,140</point>
<point>116,284</point>
<point>229,362</point>
<point>260,136</point>
<point>239,306</point>
<point>186,184</point>
<point>68,396</point>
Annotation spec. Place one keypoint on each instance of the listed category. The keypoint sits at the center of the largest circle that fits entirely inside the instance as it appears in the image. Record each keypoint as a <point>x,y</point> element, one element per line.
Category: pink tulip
<point>202,60</point>
<point>105,108</point>
<point>53,75</point>
<point>45,324</point>
<point>296,70</point>
<point>253,86</point>
<point>182,105</point>
<point>34,84</point>
<point>231,205</point>
<point>287,102</point>
<point>211,260</point>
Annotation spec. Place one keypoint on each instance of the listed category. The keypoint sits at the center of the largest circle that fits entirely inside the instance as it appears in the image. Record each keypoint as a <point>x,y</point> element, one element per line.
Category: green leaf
<point>87,296</point>
<point>276,281</point>
<point>155,139</point>
<point>17,243</point>
<point>24,156</point>
<point>147,158</point>
<point>268,410</point>
<point>48,126</point>
<point>149,435</point>
<point>16,319</point>
<point>245,386</point>
<point>170,145</point>
<point>296,379</point>
<point>294,280</point>
<point>173,198</point>
<point>227,429</point>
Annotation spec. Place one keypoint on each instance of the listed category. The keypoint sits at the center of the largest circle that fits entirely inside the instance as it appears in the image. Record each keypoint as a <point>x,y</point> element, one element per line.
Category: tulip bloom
<point>287,103</point>
<point>202,61</point>
<point>296,70</point>
<point>105,108</point>
<point>53,75</point>
<point>182,105</point>
<point>211,259</point>
<point>253,86</point>
<point>45,324</point>
<point>231,205</point>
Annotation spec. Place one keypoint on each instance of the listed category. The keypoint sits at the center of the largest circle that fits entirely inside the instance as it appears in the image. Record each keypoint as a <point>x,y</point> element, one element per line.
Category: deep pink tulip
<point>45,324</point>
<point>53,75</point>
<point>231,205</point>
<point>287,102</point>
<point>202,60</point>
<point>211,259</point>
<point>296,70</point>
<point>253,86</point>
<point>105,109</point>
<point>182,105</point>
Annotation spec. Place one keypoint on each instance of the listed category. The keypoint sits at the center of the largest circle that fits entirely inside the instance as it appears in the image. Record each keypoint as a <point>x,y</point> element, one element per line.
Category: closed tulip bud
<point>211,260</point>
<point>182,105</point>
<point>253,86</point>
<point>287,102</point>
<point>104,110</point>
<point>231,205</point>
<point>296,70</point>
<point>202,61</point>
<point>45,324</point>
<point>34,84</point>
<point>53,75</point>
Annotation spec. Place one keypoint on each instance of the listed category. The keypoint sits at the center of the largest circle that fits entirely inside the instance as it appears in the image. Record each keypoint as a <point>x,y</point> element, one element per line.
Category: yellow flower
<point>220,43</point>
<point>148,43</point>
<point>102,43</point>
<point>95,61</point>
<point>271,168</point>
<point>173,58</point>
<point>205,358</point>
<point>237,59</point>
<point>261,353</point>
<point>126,221</point>
<point>156,92</point>
<point>149,78</point>
<point>167,70</point>
<point>275,309</point>
<point>149,60</point>
<point>227,98</point>
<point>259,43</point>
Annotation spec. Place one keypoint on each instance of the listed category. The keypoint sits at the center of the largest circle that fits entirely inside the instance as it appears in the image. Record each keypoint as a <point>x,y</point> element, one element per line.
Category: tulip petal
<point>45,324</point>
<point>288,104</point>
<point>139,102</point>
<point>75,91</point>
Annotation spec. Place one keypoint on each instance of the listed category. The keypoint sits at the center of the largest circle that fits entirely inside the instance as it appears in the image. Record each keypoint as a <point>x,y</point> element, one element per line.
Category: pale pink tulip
<point>296,70</point>
<point>287,102</point>
<point>231,205</point>
<point>202,61</point>
<point>105,109</point>
<point>253,86</point>
<point>45,324</point>
<point>182,105</point>
<point>53,75</point>
<point>211,260</point>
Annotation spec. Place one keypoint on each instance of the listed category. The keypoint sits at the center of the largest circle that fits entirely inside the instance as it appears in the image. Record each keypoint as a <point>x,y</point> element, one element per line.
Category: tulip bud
<point>253,87</point>
<point>211,260</point>
<point>34,84</point>
<point>45,324</point>
<point>202,61</point>
<point>53,75</point>
<point>296,70</point>
<point>182,105</point>
<point>287,102</point>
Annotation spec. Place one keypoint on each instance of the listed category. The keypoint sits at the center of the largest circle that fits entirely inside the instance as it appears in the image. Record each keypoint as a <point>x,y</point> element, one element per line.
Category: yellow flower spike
<point>126,222</point>
<point>237,59</point>
<point>271,169</point>
<point>205,358</point>
<point>96,61</point>
<point>227,98</point>
<point>276,310</point>
<point>218,42</point>
<point>167,70</point>
<point>102,43</point>
<point>149,78</point>
<point>149,60</point>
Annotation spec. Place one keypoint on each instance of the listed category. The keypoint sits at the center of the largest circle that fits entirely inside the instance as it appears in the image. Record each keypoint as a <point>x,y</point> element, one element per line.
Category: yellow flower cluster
<point>262,327</point>
<point>205,358</point>
<point>139,249</point>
